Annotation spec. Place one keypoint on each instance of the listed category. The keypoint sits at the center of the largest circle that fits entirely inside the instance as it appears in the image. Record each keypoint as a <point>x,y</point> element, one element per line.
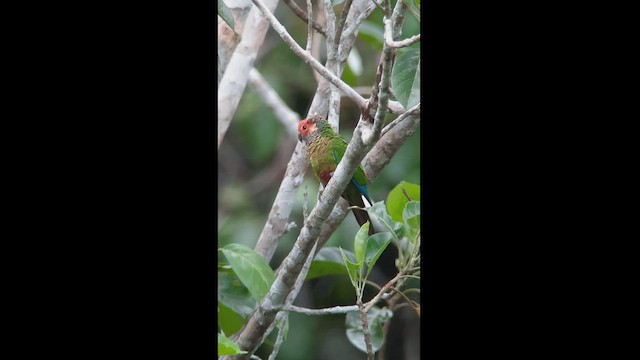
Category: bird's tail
<point>362,217</point>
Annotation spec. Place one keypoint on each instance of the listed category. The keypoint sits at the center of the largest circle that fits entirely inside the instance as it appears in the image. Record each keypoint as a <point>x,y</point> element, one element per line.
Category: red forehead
<point>308,124</point>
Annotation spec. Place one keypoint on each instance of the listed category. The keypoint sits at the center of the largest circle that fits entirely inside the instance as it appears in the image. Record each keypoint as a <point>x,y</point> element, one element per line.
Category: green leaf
<point>360,242</point>
<point>251,268</point>
<point>233,294</point>
<point>225,13</point>
<point>379,211</point>
<point>403,76</point>
<point>228,347</point>
<point>415,10</point>
<point>352,270</point>
<point>376,245</point>
<point>411,217</point>
<point>328,261</point>
<point>414,95</point>
<point>396,200</point>
<point>376,318</point>
<point>230,322</point>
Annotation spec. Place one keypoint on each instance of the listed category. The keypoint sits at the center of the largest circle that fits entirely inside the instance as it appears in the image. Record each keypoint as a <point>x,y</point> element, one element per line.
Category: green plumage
<point>325,150</point>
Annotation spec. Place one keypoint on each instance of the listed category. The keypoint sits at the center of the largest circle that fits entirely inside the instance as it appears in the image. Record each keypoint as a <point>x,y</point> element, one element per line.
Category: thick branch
<point>332,55</point>
<point>251,334</point>
<point>236,74</point>
<point>309,32</point>
<point>283,203</point>
<point>379,156</point>
<point>291,297</point>
<point>229,38</point>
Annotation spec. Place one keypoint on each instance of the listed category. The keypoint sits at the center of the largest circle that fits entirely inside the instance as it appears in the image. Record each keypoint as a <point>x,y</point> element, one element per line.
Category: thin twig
<point>302,15</point>
<point>309,26</point>
<point>384,73</point>
<point>270,97</point>
<point>409,301</point>
<point>377,105</point>
<point>401,43</point>
<point>307,58</point>
<point>385,331</point>
<point>365,329</point>
<point>343,18</point>
<point>374,284</point>
<point>326,311</point>
<point>379,7</point>
<point>279,339</point>
<point>415,110</point>
<point>378,296</point>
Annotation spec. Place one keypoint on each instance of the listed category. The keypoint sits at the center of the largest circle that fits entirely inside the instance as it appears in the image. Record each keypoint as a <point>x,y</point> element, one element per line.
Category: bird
<point>325,149</point>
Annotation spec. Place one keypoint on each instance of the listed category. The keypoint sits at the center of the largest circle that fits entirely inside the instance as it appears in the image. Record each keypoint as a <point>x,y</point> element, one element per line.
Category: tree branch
<point>296,168</point>
<point>283,203</point>
<point>415,110</point>
<point>287,117</point>
<point>309,26</point>
<point>279,340</point>
<point>291,297</point>
<point>379,156</point>
<point>302,15</point>
<point>365,330</point>
<point>401,43</point>
<point>307,58</point>
<point>316,312</point>
<point>234,79</point>
<point>332,65</point>
<point>249,337</point>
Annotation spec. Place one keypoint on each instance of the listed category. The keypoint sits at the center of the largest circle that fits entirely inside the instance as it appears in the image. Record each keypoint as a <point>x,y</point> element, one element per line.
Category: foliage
<point>228,347</point>
<point>376,318</point>
<point>405,78</point>
<point>245,278</point>
<point>225,13</point>
<point>368,250</point>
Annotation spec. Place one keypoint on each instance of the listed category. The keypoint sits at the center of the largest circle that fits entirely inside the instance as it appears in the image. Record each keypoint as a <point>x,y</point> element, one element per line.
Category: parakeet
<point>325,150</point>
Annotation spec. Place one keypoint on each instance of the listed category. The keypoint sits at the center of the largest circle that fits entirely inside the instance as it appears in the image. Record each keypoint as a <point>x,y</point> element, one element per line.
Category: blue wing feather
<point>361,187</point>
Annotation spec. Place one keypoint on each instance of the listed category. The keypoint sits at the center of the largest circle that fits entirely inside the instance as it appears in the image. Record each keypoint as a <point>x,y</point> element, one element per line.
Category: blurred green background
<point>252,161</point>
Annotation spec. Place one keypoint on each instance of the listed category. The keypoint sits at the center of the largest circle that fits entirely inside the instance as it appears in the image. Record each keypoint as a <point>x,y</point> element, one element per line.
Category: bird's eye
<point>304,127</point>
